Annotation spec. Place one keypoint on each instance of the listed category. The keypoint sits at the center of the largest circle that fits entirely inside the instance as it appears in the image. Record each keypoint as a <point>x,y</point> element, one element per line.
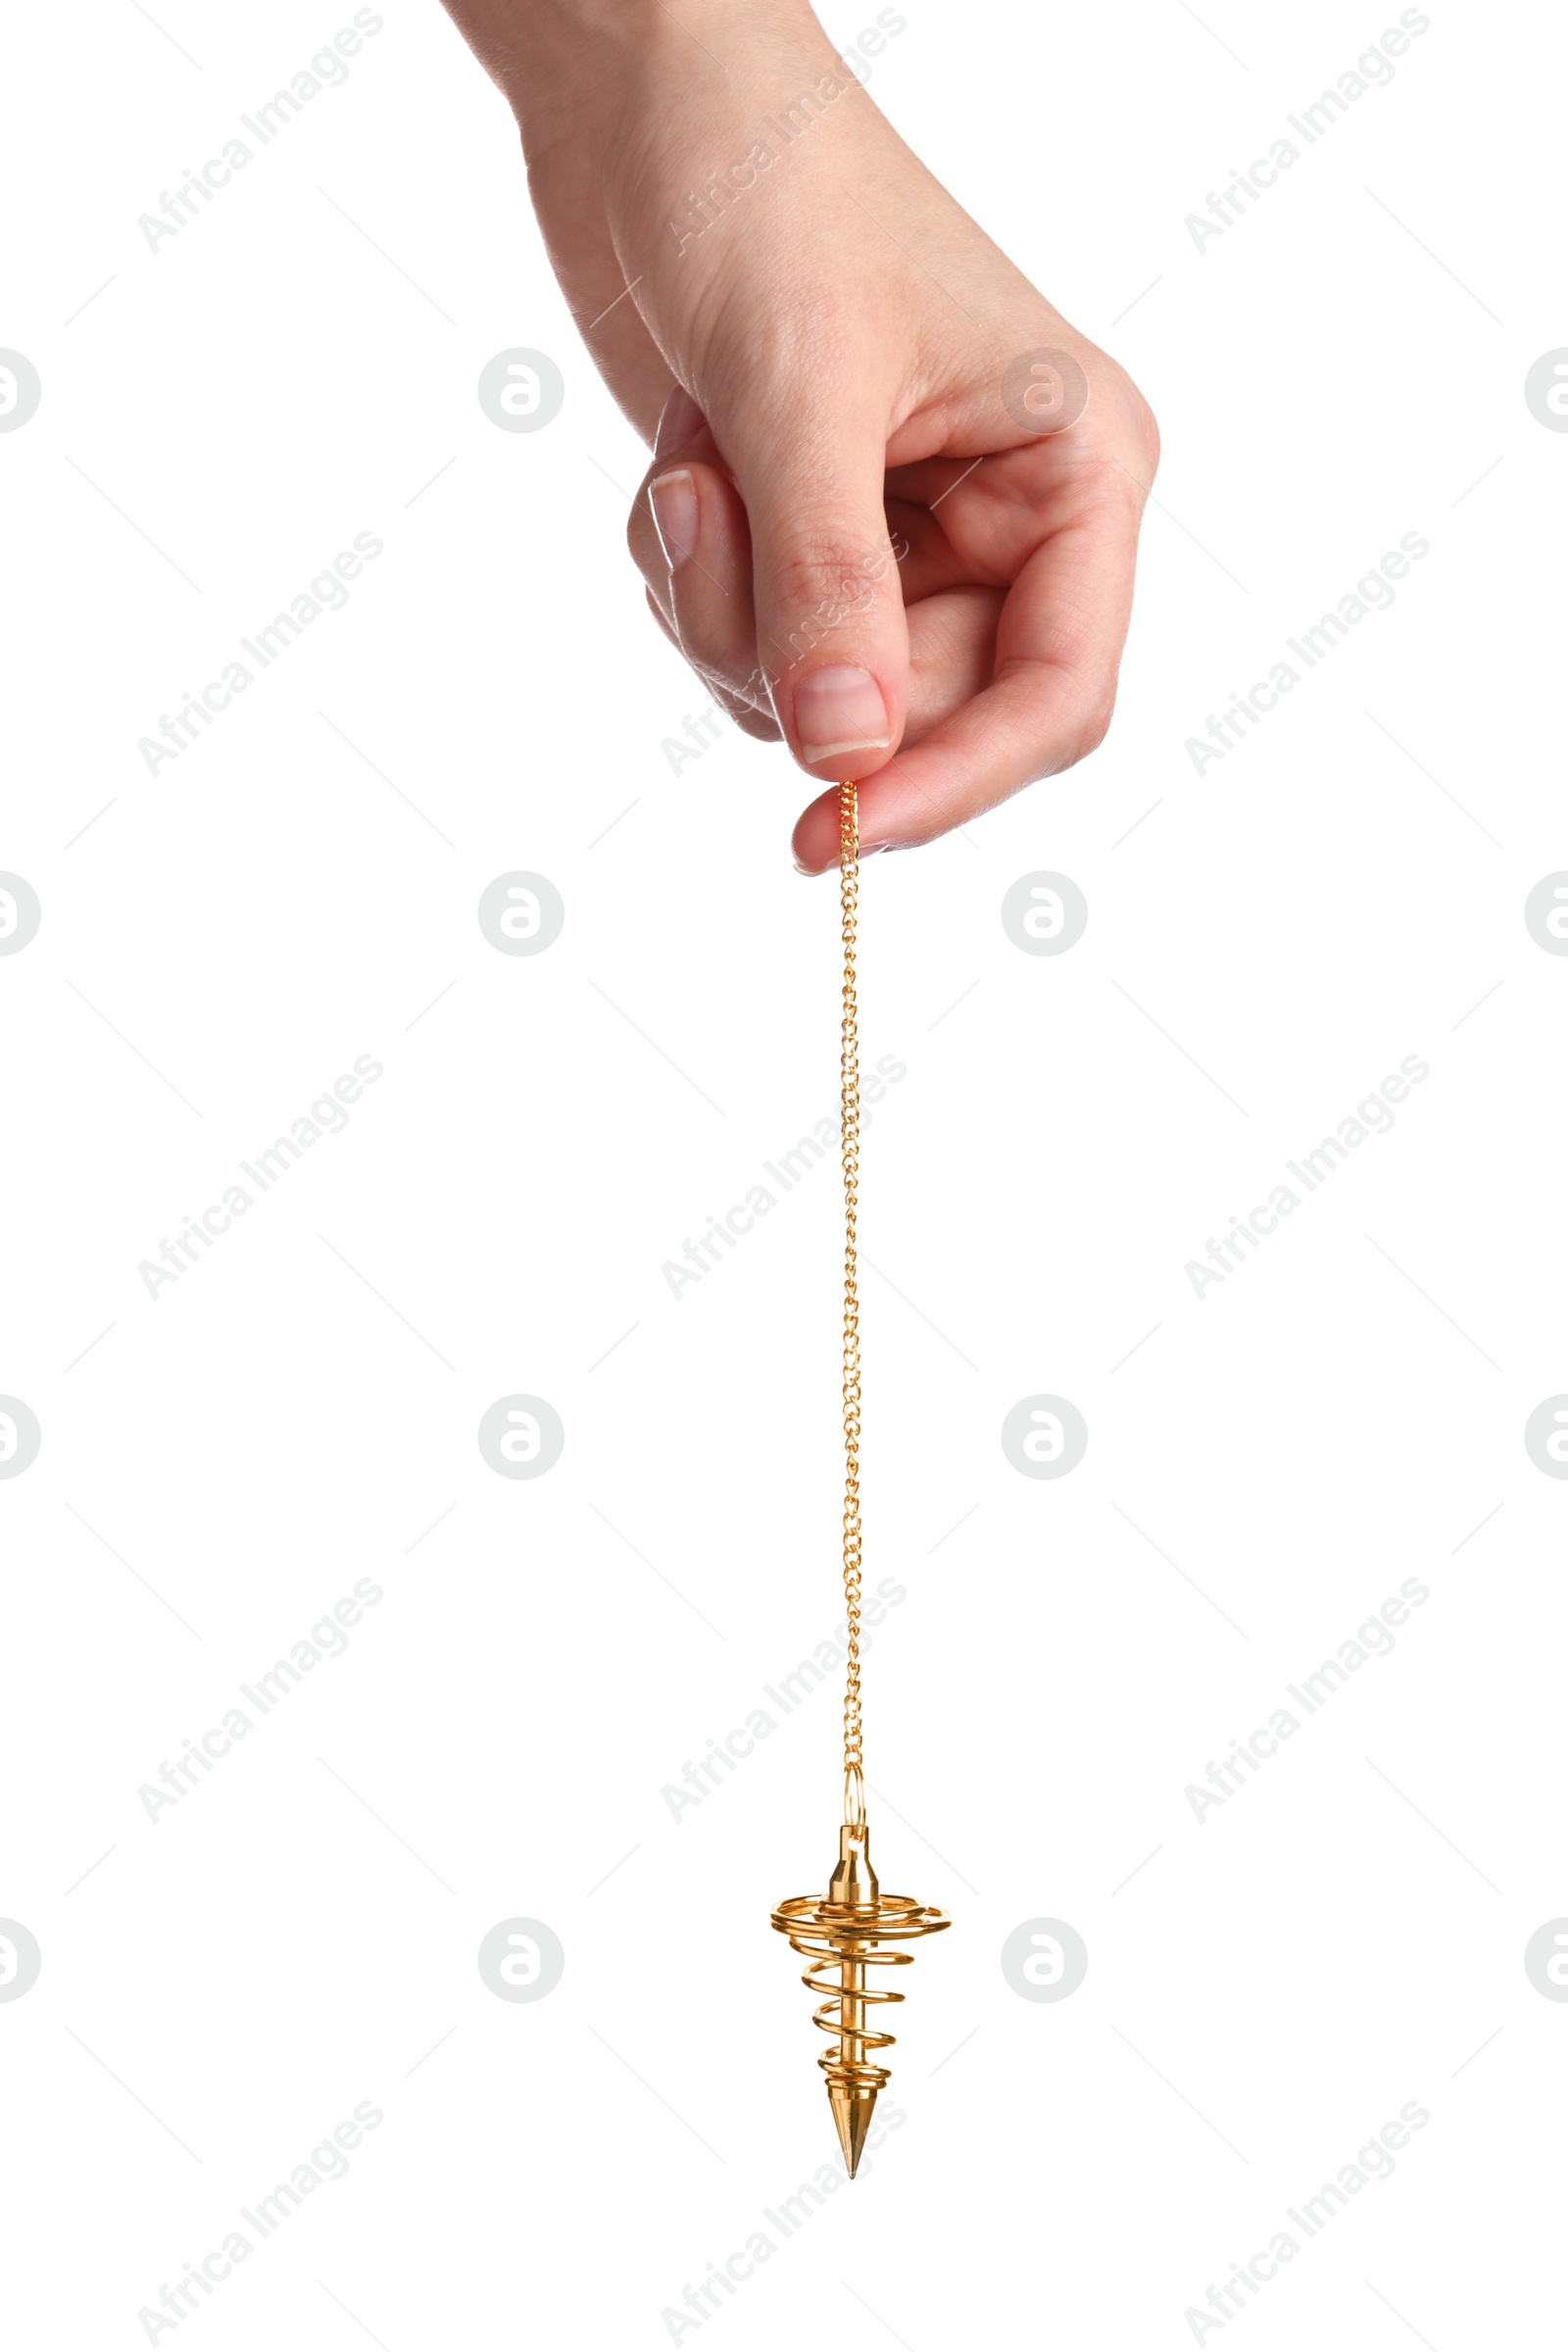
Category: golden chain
<point>850,1131</point>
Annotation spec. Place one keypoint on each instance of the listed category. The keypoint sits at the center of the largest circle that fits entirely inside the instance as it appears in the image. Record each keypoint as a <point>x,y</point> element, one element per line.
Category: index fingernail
<point>674,498</point>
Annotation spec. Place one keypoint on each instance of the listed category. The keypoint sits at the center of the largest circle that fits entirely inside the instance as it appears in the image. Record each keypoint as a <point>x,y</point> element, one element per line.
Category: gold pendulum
<point>854,1926</point>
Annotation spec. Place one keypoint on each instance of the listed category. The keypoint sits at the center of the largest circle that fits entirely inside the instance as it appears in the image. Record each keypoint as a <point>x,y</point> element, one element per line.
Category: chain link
<point>850,1131</point>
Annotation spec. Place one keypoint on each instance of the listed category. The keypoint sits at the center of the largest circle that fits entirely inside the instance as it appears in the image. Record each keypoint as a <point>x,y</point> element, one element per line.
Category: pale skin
<point>870,529</point>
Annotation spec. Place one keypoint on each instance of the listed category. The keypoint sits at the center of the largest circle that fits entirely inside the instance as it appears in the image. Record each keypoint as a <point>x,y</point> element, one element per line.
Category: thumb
<point>831,636</point>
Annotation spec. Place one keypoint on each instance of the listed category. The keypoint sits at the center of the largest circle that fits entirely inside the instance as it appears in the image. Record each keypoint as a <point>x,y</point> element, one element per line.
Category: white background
<point>1342,1937</point>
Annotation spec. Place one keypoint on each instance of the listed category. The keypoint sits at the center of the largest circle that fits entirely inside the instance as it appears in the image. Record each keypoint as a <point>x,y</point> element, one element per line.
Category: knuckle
<point>1130,417</point>
<point>1146,431</point>
<point>1142,432</point>
<point>1095,723</point>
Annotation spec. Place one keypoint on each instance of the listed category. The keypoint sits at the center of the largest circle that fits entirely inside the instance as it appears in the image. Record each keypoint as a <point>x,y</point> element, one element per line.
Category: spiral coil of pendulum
<point>855,1927</point>
<point>842,1941</point>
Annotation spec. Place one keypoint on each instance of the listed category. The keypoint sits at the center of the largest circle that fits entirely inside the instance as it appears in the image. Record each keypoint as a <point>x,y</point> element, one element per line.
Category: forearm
<point>545,53</point>
<point>644,126</point>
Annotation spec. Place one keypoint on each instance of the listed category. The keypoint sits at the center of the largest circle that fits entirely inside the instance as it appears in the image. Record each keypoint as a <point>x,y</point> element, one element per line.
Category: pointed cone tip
<point>851,2115</point>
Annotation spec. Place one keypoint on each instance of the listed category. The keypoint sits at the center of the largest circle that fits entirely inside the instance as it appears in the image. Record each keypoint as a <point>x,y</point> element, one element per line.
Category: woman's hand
<point>893,505</point>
